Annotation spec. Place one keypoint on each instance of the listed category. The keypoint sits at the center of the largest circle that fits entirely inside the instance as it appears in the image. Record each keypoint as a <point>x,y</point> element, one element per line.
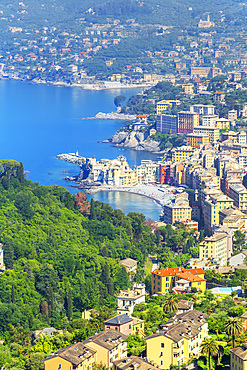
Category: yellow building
<point>211,208</point>
<point>110,345</point>
<point>166,280</point>
<point>166,105</point>
<point>196,140</point>
<point>188,89</point>
<point>179,340</point>
<point>174,212</point>
<point>181,153</point>
<point>76,356</point>
<point>214,247</point>
<point>212,132</point>
<point>239,358</point>
<point>239,195</point>
<point>223,123</point>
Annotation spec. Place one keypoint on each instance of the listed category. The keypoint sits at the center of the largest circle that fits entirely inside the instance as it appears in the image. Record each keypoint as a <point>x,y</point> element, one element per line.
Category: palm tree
<point>170,305</point>
<point>209,347</point>
<point>233,327</point>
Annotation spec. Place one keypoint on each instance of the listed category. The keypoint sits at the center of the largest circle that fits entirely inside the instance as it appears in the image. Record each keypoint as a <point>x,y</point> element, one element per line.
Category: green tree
<point>118,100</point>
<point>209,347</point>
<point>233,327</point>
<point>34,362</point>
<point>170,305</point>
<point>69,305</point>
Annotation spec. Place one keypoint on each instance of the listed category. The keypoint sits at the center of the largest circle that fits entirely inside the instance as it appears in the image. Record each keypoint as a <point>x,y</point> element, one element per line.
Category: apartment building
<point>166,280</point>
<point>110,345</point>
<point>187,121</point>
<point>167,124</point>
<point>178,341</point>
<point>232,115</point>
<point>202,109</point>
<point>133,363</point>
<point>210,120</point>
<point>126,325</point>
<point>239,358</point>
<point>164,105</point>
<point>181,153</point>
<point>212,132</point>
<point>177,210</point>
<point>214,247</point>
<point>239,195</point>
<point>197,140</point>
<point>223,123</point>
<point>211,208</point>
<point>75,356</point>
<point>127,299</point>
<point>147,172</point>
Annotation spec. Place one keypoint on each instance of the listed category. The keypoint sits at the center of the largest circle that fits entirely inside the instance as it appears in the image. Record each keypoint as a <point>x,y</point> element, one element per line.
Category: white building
<point>127,299</point>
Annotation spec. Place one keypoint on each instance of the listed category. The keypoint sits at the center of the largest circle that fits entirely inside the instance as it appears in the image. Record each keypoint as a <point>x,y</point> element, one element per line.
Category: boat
<point>49,173</point>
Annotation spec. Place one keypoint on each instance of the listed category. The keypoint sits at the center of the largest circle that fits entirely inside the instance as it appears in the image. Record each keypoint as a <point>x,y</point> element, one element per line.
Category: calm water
<point>38,122</point>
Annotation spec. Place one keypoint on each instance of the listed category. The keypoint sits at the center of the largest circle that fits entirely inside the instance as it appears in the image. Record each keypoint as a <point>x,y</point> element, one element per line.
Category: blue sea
<point>38,122</point>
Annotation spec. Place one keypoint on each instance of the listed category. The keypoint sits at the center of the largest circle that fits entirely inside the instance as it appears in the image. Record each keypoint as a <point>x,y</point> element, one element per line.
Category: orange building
<point>196,140</point>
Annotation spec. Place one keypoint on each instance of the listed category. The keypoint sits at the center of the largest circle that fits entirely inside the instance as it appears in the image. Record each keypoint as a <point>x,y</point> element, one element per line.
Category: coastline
<point>157,193</point>
<point>92,87</point>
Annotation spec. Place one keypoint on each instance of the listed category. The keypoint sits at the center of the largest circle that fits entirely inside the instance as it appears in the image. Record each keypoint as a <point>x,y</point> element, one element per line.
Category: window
<point>167,284</point>
<point>162,345</point>
<point>115,328</point>
<point>129,326</point>
<point>161,354</point>
<point>161,362</point>
<point>60,366</point>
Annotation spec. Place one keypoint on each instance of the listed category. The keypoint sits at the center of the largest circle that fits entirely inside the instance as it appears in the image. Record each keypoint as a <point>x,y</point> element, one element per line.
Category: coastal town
<point>83,285</point>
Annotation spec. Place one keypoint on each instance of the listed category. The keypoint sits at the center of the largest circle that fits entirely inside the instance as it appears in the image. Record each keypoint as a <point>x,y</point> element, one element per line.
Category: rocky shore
<point>113,116</point>
<point>135,140</point>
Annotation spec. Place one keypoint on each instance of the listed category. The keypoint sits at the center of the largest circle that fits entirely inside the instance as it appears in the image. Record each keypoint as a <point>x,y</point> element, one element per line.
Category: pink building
<point>122,323</point>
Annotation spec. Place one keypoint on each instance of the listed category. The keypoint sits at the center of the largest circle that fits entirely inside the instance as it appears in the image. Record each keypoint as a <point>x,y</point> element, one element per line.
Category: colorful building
<point>214,247</point>
<point>187,121</point>
<point>197,140</point>
<point>178,341</point>
<point>212,132</point>
<point>164,281</point>
<point>239,358</point>
<point>167,124</point>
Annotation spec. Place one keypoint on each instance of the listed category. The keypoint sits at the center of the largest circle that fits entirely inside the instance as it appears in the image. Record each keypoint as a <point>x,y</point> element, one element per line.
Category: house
<point>238,259</point>
<point>184,306</point>
<point>244,320</point>
<point>126,324</point>
<point>127,299</point>
<point>178,341</point>
<point>110,345</point>
<point>239,358</point>
<point>178,278</point>
<point>76,356</point>
<point>133,362</point>
<point>46,331</point>
<point>130,264</point>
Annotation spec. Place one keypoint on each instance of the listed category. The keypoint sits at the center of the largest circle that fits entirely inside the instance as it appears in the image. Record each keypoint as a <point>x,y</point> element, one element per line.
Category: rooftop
<point>108,339</point>
<point>119,320</point>
<point>75,353</point>
<point>133,362</point>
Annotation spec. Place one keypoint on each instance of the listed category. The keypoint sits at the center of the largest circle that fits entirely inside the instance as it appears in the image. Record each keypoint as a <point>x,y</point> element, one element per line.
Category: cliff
<point>136,140</point>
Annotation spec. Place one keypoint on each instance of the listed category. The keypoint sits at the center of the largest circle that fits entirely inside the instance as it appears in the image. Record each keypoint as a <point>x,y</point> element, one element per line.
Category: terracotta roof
<point>189,276</point>
<point>177,270</point>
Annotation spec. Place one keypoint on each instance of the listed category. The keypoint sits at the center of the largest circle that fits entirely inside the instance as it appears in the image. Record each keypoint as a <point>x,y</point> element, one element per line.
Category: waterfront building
<point>167,124</point>
<point>187,121</point>
<point>212,132</point>
<point>197,140</point>
<point>214,247</point>
<point>165,280</point>
<point>178,341</point>
<point>127,299</point>
<point>147,172</point>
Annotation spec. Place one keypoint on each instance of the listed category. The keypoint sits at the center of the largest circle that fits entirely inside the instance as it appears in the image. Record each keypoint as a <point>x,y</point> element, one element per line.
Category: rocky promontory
<point>136,140</point>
